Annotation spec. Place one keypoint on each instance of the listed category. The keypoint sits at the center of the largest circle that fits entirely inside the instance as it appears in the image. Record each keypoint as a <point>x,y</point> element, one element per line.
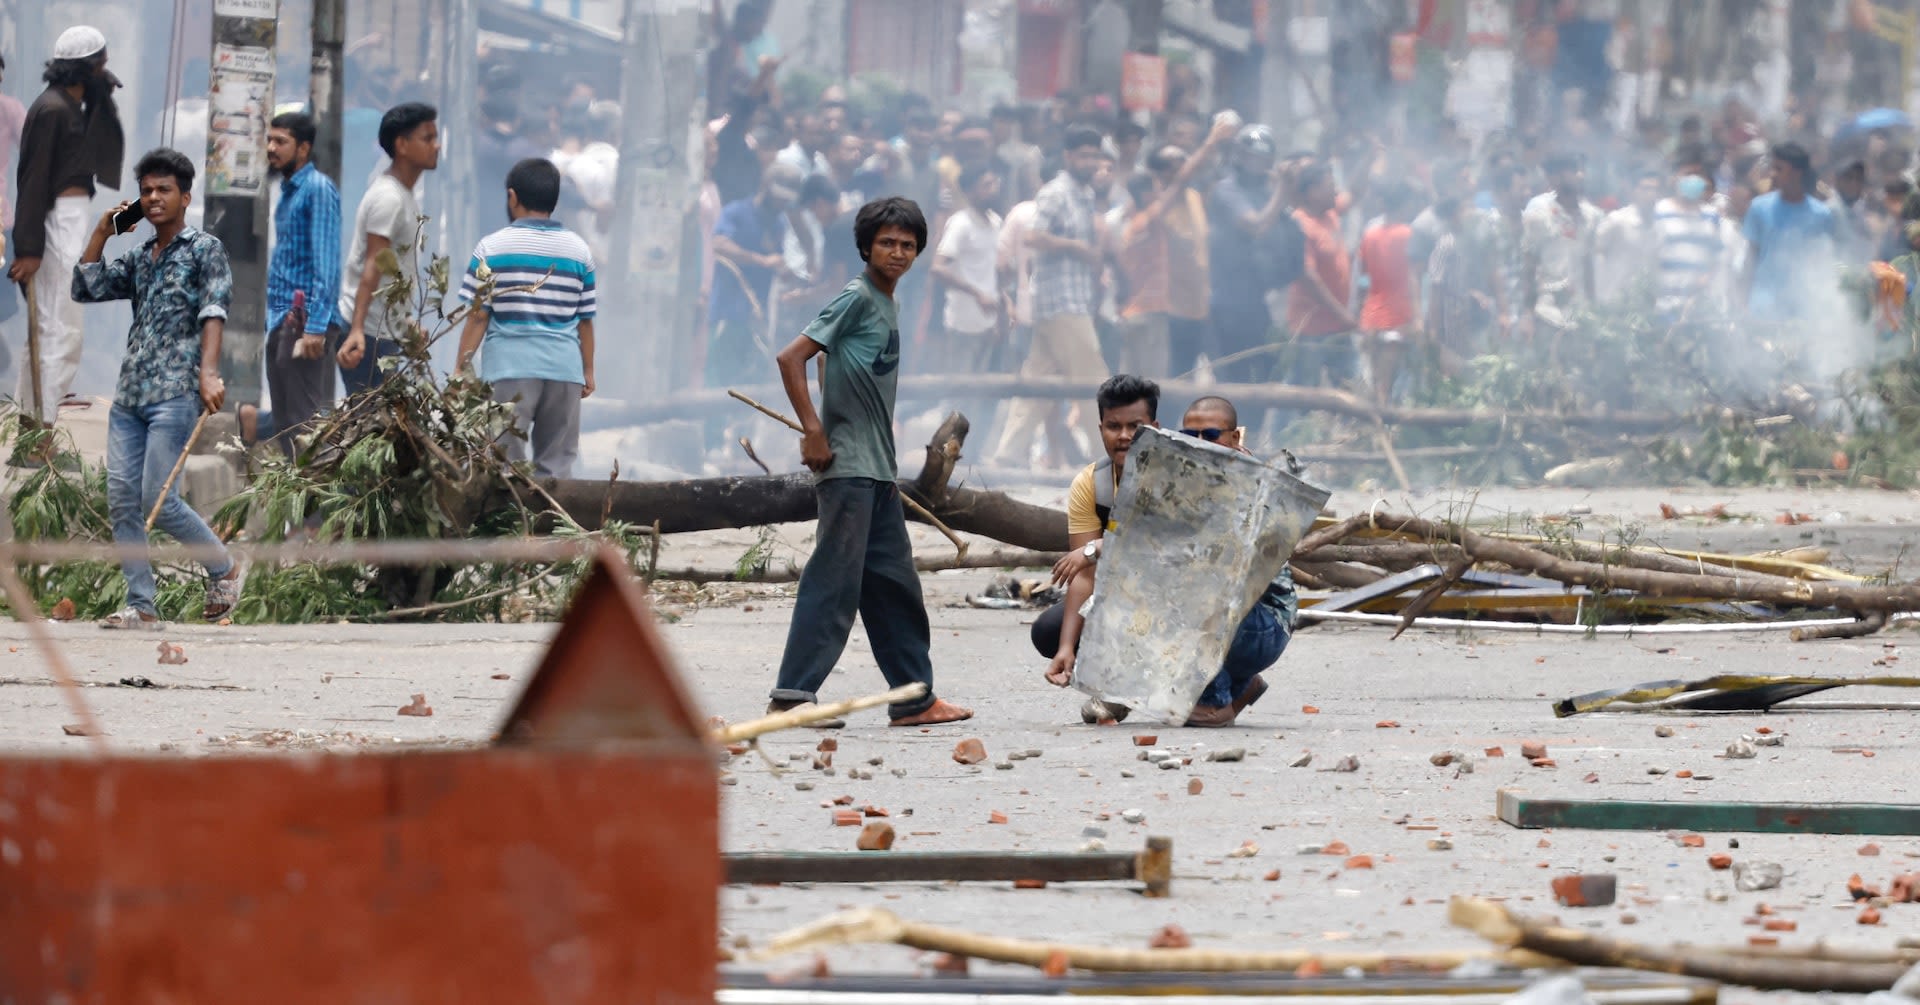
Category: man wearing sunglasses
<point>1127,404</point>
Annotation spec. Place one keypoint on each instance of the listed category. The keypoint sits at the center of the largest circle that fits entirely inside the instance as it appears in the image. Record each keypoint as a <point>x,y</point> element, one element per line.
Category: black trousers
<point>862,562</point>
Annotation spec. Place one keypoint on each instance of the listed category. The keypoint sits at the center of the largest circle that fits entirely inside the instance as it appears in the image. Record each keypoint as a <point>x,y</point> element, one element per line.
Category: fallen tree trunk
<point>730,503</point>
<point>1247,397</point>
<point>1000,559</point>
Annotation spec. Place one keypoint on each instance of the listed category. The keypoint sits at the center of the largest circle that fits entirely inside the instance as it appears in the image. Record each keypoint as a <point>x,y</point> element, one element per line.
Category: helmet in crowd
<point>1255,148</point>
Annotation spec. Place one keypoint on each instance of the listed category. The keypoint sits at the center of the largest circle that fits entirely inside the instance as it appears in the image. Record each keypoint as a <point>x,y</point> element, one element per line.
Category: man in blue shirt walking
<point>531,287</point>
<point>304,269</point>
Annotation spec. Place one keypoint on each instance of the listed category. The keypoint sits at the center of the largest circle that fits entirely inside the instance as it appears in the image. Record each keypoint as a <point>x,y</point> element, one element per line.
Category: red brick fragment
<point>874,811</point>
<point>417,707</point>
<point>1692,841</point>
<point>1495,752</point>
<point>875,837</point>
<point>970,751</point>
<point>1309,710</point>
<point>949,965</point>
<point>846,818</point>
<point>1593,890</point>
<point>1719,860</point>
<point>1170,937</point>
<point>1533,750</point>
<point>1762,940</point>
<point>1194,786</point>
<point>1683,773</point>
<point>828,745</point>
<point>1272,877</point>
<point>1359,862</point>
<point>843,801</point>
<point>1029,884</point>
<point>1386,724</point>
<point>1543,762</point>
<point>1145,740</point>
<point>1336,848</point>
<point>1781,925</point>
<point>996,817</point>
<point>63,611</point>
<point>1869,849</point>
<point>1870,916</point>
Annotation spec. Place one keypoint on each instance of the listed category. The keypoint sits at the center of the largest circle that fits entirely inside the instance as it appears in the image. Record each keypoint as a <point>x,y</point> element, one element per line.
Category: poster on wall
<point>239,101</point>
<point>246,8</point>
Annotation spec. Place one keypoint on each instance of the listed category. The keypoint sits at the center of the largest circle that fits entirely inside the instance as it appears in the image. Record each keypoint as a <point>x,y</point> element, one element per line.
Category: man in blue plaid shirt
<point>306,262</point>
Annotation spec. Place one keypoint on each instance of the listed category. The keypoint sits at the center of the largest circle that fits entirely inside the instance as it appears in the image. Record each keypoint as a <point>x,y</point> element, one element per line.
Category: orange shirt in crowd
<point>1383,254</point>
<point>1326,258</point>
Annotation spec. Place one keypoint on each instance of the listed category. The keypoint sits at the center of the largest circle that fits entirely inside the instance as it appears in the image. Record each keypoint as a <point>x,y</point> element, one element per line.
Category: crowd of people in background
<point>1069,239</point>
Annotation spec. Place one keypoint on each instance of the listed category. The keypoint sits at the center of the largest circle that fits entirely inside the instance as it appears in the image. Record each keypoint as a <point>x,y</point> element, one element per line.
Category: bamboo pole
<point>797,717</point>
<point>872,925</point>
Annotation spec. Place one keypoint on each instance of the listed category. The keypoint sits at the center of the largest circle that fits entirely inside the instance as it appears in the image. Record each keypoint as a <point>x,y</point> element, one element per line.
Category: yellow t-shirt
<point>1082,516</point>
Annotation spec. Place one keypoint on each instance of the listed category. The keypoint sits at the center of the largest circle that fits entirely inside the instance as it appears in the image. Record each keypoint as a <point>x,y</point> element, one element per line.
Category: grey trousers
<point>549,413</point>
<point>862,562</point>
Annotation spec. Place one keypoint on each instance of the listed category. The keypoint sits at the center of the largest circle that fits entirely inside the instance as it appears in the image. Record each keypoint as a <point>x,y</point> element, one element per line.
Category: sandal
<point>131,618</point>
<point>936,714</point>
<point>223,595</point>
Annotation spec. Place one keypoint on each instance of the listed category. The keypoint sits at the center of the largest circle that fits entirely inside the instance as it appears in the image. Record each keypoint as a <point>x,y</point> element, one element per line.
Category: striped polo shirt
<point>542,276</point>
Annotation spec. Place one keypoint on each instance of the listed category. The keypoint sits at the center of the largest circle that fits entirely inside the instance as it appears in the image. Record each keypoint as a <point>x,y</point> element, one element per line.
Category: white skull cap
<point>79,42</point>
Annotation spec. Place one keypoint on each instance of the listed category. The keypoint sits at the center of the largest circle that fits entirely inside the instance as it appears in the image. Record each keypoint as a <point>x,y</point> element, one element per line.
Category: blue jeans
<point>143,444</point>
<point>1256,646</point>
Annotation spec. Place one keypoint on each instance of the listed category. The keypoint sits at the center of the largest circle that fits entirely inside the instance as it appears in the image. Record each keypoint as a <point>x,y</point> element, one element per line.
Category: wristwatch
<point>1092,550</point>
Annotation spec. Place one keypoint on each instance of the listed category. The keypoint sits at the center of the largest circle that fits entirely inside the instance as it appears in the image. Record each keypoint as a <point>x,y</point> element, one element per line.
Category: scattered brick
<point>1762,940</point>
<point>1719,860</point>
<point>970,751</point>
<point>1543,762</point>
<point>1533,750</point>
<point>843,801</point>
<point>874,836</point>
<point>1029,884</point>
<point>1359,862</point>
<point>1336,848</point>
<point>1495,752</point>
<point>1692,841</point>
<point>1145,740</point>
<point>1593,890</point>
<point>949,965</point>
<point>1272,877</point>
<point>874,811</point>
<point>1386,724</point>
<point>1170,937</point>
<point>1781,925</point>
<point>417,707</point>
<point>1309,710</point>
<point>996,817</point>
<point>1194,785</point>
<point>828,745</point>
<point>1683,773</point>
<point>1869,849</point>
<point>63,611</point>
<point>1870,916</point>
<point>846,818</point>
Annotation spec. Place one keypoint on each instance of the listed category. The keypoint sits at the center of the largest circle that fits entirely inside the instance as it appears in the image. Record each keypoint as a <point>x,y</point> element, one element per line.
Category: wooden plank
<point>1519,810</point>
<point>1148,867</point>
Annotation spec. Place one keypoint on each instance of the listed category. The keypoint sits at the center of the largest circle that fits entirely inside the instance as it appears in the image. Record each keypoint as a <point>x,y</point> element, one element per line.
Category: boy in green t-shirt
<point>862,560</point>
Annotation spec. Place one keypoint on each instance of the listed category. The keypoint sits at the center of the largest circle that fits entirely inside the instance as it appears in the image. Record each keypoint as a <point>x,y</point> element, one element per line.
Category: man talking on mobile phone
<point>180,284</point>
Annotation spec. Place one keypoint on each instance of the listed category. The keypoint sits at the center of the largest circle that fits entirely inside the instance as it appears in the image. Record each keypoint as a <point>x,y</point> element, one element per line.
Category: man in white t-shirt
<point>594,173</point>
<point>966,263</point>
<point>379,307</point>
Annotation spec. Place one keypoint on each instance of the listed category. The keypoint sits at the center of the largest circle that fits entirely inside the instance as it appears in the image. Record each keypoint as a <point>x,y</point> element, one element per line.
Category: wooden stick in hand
<point>921,511</point>
<point>178,466</point>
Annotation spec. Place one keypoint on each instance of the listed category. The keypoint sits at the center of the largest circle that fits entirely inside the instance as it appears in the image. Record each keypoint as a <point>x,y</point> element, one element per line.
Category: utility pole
<point>241,103</point>
<point>326,96</point>
<point>659,93</point>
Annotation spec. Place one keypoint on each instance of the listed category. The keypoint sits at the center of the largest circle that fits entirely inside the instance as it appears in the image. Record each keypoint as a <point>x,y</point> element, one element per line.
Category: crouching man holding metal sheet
<point>1202,515</point>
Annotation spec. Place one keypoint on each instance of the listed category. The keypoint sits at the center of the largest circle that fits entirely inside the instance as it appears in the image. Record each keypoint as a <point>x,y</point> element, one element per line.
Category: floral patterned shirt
<point>173,294</point>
